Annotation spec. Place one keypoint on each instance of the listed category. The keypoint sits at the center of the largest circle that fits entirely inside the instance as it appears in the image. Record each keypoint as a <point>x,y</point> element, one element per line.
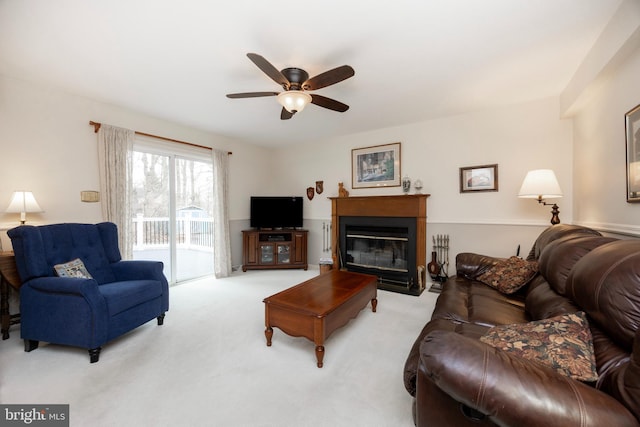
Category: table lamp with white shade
<point>23,202</point>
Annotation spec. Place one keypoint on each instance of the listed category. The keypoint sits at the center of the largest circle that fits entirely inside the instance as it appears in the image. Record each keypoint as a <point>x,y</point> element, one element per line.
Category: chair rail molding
<point>499,222</point>
<point>630,230</point>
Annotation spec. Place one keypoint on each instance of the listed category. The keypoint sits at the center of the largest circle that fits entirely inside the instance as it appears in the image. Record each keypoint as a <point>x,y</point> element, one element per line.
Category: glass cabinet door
<point>284,254</point>
<point>267,254</point>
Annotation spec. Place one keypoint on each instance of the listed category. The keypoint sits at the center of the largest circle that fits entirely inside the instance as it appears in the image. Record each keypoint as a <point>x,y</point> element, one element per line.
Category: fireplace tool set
<point>439,265</point>
<point>326,262</point>
<point>326,237</point>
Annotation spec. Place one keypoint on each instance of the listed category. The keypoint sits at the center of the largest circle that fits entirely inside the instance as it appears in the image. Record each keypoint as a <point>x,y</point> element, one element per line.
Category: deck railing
<point>191,233</point>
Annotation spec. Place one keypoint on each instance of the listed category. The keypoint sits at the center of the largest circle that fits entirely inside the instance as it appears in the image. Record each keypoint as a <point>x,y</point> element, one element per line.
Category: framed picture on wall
<point>377,166</point>
<point>632,128</point>
<point>479,178</point>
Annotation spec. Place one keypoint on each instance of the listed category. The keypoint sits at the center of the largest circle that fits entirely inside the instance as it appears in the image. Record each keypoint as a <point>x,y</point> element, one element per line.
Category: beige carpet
<point>209,365</point>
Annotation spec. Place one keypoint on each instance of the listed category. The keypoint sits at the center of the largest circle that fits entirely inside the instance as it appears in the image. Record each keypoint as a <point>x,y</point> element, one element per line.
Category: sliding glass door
<point>171,203</point>
<point>194,224</point>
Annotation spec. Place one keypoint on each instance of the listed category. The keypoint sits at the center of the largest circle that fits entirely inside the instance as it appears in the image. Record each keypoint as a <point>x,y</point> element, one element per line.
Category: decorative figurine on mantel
<point>342,192</point>
<point>406,184</point>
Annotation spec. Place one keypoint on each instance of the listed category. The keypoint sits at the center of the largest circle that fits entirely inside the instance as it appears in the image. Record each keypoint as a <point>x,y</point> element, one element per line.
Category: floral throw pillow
<point>509,275</point>
<point>563,343</point>
<point>73,268</point>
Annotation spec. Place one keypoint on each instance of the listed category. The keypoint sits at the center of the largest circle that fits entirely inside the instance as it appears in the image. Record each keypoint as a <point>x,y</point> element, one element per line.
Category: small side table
<point>8,278</point>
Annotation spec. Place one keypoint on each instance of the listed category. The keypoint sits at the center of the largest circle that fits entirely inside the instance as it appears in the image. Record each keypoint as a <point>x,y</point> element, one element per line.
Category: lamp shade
<point>294,100</point>
<point>23,202</point>
<point>540,184</point>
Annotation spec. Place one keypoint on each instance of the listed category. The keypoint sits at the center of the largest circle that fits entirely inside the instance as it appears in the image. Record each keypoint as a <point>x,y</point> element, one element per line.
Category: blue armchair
<point>77,311</point>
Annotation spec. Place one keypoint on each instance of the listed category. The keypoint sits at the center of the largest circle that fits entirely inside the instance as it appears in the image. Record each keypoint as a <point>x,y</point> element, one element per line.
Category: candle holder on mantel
<point>418,186</point>
<point>439,265</point>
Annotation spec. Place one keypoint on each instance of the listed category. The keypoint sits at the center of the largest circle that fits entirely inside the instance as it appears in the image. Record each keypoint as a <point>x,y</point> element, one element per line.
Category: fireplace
<point>384,236</point>
<point>381,246</point>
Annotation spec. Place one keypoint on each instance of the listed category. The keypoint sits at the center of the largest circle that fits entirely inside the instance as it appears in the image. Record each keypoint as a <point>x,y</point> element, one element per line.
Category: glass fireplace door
<point>377,252</point>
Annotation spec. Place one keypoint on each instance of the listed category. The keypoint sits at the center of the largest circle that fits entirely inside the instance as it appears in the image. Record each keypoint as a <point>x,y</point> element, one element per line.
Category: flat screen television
<point>276,212</point>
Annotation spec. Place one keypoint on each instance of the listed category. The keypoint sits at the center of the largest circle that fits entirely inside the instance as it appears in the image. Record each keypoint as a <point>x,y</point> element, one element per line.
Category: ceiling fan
<point>296,83</point>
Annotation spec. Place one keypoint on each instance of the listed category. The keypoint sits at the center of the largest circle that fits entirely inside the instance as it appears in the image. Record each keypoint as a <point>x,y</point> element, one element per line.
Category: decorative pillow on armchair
<point>509,275</point>
<point>73,268</point>
<point>563,343</point>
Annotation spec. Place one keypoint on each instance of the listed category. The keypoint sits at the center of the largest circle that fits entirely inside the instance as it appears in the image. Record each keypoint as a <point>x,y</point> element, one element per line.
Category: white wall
<point>600,172</point>
<point>49,148</point>
<point>599,128</point>
<point>518,138</point>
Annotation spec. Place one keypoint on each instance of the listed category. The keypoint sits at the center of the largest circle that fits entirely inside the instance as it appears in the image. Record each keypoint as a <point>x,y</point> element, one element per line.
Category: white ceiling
<point>413,59</point>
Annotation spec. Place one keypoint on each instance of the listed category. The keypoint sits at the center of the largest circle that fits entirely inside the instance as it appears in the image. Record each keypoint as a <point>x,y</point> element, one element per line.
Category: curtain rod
<point>96,127</point>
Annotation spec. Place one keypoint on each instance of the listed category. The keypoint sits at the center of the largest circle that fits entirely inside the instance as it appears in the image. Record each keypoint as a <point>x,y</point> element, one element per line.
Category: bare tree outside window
<point>193,203</point>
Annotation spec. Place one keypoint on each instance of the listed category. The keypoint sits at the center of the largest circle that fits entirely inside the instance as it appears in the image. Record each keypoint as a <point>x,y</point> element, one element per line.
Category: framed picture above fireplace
<point>479,178</point>
<point>377,166</point>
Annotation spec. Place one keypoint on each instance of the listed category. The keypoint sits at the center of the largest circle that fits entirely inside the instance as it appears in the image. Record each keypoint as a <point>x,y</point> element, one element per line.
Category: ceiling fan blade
<point>329,103</point>
<point>329,78</point>
<point>269,70</point>
<point>251,94</point>
<point>285,115</point>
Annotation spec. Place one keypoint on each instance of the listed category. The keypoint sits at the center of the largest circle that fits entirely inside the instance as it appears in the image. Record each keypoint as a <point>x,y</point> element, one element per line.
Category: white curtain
<point>221,238</point>
<point>115,147</point>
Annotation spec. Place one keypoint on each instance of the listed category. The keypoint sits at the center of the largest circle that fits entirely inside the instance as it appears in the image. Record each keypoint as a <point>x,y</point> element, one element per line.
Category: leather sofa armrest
<point>470,265</point>
<point>508,390</point>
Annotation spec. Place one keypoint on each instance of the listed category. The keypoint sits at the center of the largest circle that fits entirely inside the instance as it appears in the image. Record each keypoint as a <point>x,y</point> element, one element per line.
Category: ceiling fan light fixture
<point>294,101</point>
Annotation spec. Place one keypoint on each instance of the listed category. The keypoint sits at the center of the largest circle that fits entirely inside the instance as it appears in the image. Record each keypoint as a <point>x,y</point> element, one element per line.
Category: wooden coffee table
<point>317,307</point>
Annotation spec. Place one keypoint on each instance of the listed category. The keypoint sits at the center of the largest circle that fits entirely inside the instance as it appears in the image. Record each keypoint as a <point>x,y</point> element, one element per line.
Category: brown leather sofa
<point>458,380</point>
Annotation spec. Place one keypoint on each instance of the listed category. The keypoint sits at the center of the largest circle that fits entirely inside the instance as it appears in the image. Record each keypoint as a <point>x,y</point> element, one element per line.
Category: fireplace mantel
<point>407,206</point>
<point>410,205</point>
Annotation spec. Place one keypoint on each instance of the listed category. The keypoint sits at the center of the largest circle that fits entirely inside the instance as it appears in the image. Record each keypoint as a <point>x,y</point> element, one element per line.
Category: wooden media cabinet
<point>265,249</point>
